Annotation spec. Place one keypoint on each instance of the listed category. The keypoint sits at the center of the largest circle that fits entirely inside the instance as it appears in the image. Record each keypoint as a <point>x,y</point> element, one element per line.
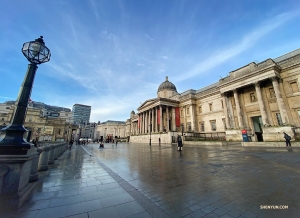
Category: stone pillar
<point>51,154</point>
<point>156,127</point>
<point>15,189</point>
<point>152,121</point>
<point>225,100</point>
<point>184,119</point>
<point>192,117</point>
<point>161,118</point>
<point>280,102</point>
<point>43,160</point>
<point>142,123</point>
<point>238,108</point>
<point>168,118</point>
<point>261,103</point>
<point>34,176</point>
<point>173,119</point>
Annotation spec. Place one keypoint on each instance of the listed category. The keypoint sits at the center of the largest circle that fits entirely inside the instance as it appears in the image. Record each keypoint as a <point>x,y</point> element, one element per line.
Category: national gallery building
<point>261,98</point>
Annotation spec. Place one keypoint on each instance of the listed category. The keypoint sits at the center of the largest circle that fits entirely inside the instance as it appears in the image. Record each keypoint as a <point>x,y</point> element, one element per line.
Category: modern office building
<point>81,113</point>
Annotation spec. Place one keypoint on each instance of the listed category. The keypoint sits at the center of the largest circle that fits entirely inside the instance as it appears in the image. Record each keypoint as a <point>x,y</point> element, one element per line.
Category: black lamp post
<point>150,132</point>
<point>12,136</point>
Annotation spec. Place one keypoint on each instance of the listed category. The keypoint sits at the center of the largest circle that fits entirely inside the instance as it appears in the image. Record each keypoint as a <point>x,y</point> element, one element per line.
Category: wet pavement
<point>136,180</point>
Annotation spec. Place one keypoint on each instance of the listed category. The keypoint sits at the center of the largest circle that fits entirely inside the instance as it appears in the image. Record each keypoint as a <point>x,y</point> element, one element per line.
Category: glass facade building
<point>81,113</point>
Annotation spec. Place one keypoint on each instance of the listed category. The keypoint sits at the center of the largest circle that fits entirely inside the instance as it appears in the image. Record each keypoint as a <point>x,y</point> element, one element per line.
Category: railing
<point>217,136</point>
<point>297,133</point>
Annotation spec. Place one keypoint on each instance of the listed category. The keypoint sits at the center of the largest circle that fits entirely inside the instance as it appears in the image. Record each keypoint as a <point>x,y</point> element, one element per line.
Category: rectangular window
<point>222,104</point>
<point>200,109</point>
<point>213,125</point>
<point>272,93</point>
<point>279,120</point>
<point>210,107</point>
<point>202,127</point>
<point>181,112</point>
<point>189,127</point>
<point>188,110</point>
<point>294,87</point>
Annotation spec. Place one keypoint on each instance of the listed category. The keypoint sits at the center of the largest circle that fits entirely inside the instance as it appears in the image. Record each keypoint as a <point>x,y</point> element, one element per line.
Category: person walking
<point>70,144</point>
<point>158,141</point>
<point>287,139</point>
<point>179,142</point>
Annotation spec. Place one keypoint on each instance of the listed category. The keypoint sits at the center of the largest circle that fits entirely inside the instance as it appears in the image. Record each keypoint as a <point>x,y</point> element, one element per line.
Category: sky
<point>114,54</point>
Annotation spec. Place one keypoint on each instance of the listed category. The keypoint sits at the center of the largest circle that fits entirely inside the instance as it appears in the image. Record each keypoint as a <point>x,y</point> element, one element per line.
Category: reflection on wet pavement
<point>214,181</point>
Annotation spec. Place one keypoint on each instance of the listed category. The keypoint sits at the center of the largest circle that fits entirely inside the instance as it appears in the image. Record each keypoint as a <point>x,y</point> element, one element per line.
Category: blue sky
<point>113,54</point>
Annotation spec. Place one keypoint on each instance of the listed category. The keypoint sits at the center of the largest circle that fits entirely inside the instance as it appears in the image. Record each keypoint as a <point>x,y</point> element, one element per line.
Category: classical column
<point>184,119</point>
<point>192,117</point>
<point>152,120</point>
<point>149,120</point>
<point>156,128</point>
<point>142,123</point>
<point>238,109</point>
<point>225,109</point>
<point>280,103</point>
<point>161,118</point>
<point>173,119</point>
<point>168,117</point>
<point>261,104</point>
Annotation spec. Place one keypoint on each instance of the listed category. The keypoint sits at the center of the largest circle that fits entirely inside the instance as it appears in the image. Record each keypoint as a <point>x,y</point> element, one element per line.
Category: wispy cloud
<point>247,42</point>
<point>6,97</point>
<point>149,37</point>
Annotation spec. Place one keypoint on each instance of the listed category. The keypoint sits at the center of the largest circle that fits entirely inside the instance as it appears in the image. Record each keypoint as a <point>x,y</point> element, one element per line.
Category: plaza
<point>138,180</point>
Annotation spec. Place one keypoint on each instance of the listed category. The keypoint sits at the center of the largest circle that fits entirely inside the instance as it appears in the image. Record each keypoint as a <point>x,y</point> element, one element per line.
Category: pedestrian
<point>116,141</point>
<point>158,141</point>
<point>287,139</point>
<point>34,142</point>
<point>179,143</point>
<point>70,144</point>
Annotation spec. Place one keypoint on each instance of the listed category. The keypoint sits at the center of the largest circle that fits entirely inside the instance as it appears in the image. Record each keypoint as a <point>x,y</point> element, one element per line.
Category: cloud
<point>149,37</point>
<point>249,40</point>
<point>138,64</point>
<point>7,97</point>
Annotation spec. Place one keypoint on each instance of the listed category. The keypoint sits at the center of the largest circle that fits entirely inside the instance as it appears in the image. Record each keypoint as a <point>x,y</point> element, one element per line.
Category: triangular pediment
<point>147,102</point>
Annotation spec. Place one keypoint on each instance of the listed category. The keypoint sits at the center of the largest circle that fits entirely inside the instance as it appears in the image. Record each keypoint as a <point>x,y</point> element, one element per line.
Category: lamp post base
<point>12,140</point>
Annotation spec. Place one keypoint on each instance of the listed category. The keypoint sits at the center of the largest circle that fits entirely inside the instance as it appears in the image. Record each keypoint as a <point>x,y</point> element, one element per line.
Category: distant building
<point>110,129</point>
<point>47,111</point>
<point>40,125</point>
<point>81,113</point>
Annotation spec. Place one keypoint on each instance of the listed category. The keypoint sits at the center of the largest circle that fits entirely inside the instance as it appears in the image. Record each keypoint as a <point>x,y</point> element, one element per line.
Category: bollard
<point>34,176</point>
<point>43,160</point>
<point>56,151</point>
<point>51,154</point>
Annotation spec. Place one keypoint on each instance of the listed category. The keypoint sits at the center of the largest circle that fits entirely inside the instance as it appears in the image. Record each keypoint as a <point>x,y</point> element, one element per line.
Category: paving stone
<point>205,181</point>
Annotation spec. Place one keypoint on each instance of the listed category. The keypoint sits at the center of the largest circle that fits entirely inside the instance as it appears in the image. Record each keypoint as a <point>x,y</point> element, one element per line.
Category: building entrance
<point>257,125</point>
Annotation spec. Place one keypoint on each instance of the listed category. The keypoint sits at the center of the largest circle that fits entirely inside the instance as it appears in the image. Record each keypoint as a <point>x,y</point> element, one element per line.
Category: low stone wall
<point>165,138</point>
<point>276,133</point>
<point>269,144</point>
<point>209,143</point>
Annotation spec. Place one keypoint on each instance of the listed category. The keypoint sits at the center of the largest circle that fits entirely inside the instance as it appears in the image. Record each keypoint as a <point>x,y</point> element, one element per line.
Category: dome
<point>167,85</point>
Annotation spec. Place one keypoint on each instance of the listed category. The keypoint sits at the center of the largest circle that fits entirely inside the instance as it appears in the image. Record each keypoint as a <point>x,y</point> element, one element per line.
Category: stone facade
<point>40,127</point>
<point>111,129</point>
<point>262,98</point>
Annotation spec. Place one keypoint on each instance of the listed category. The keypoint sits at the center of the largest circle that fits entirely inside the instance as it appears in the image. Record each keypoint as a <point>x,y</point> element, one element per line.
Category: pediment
<point>147,103</point>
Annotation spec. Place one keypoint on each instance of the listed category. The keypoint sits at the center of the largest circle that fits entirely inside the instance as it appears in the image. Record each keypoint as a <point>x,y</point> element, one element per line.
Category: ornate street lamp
<point>12,136</point>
